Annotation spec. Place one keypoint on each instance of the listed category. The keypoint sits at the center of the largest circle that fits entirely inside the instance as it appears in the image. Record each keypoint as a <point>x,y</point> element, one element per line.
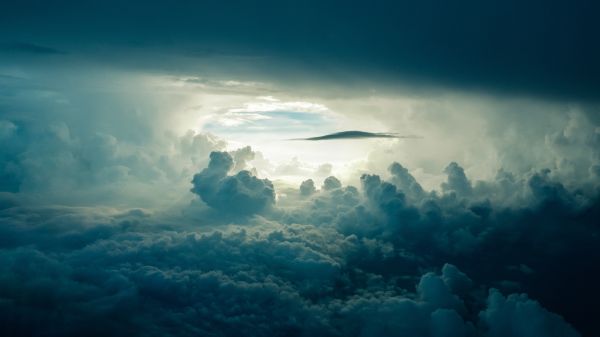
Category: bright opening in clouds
<point>313,168</point>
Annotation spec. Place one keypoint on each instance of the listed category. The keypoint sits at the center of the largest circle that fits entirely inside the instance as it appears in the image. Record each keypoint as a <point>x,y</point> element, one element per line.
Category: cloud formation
<point>382,254</point>
<point>241,193</point>
<point>91,272</point>
<point>386,40</point>
<point>355,135</point>
<point>307,187</point>
<point>344,261</point>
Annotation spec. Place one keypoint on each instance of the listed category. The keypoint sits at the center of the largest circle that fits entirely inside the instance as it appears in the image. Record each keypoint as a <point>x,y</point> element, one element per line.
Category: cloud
<point>355,135</point>
<point>241,157</point>
<point>331,183</point>
<point>300,271</point>
<point>241,193</point>
<point>509,221</point>
<point>457,180</point>
<point>344,260</point>
<point>307,187</point>
<point>386,42</point>
<point>47,160</point>
<point>517,315</point>
<point>405,181</point>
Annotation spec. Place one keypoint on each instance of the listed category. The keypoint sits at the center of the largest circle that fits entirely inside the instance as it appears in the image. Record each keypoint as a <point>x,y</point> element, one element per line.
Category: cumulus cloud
<point>517,315</point>
<point>307,187</point>
<point>508,221</point>
<point>241,157</point>
<point>457,180</point>
<point>242,193</point>
<point>98,168</point>
<point>405,181</point>
<point>389,256</point>
<point>315,269</point>
<point>331,183</point>
<point>96,137</point>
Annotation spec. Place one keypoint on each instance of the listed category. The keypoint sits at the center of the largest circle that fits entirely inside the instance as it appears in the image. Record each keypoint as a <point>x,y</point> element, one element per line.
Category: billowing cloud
<point>457,180</point>
<point>517,315</point>
<point>343,261</point>
<point>469,232</point>
<point>241,193</point>
<point>307,187</point>
<point>331,183</point>
<point>115,273</point>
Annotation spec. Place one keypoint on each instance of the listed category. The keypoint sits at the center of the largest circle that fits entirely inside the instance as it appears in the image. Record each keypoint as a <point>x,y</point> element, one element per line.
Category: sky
<point>193,168</point>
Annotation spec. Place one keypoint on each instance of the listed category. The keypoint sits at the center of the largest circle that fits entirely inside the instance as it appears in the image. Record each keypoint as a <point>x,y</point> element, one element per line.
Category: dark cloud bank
<point>546,48</point>
<point>386,258</point>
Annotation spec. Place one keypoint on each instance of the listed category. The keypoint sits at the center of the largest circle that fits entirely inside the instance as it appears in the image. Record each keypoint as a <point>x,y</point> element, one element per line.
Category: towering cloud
<point>241,193</point>
<point>307,187</point>
<point>331,183</point>
<point>405,181</point>
<point>457,180</point>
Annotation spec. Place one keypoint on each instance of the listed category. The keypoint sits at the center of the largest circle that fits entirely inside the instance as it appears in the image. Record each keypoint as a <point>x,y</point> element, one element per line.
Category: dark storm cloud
<point>533,47</point>
<point>355,135</point>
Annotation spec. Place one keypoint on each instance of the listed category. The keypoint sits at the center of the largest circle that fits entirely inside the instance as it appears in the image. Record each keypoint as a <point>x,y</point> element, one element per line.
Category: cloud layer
<point>485,227</point>
<point>550,53</point>
<point>386,258</point>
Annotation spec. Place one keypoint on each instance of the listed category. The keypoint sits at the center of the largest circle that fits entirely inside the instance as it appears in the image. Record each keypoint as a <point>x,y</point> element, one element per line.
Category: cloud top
<point>241,193</point>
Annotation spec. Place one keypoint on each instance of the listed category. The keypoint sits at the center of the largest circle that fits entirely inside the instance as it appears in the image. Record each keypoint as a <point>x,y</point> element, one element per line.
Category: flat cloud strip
<point>356,135</point>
